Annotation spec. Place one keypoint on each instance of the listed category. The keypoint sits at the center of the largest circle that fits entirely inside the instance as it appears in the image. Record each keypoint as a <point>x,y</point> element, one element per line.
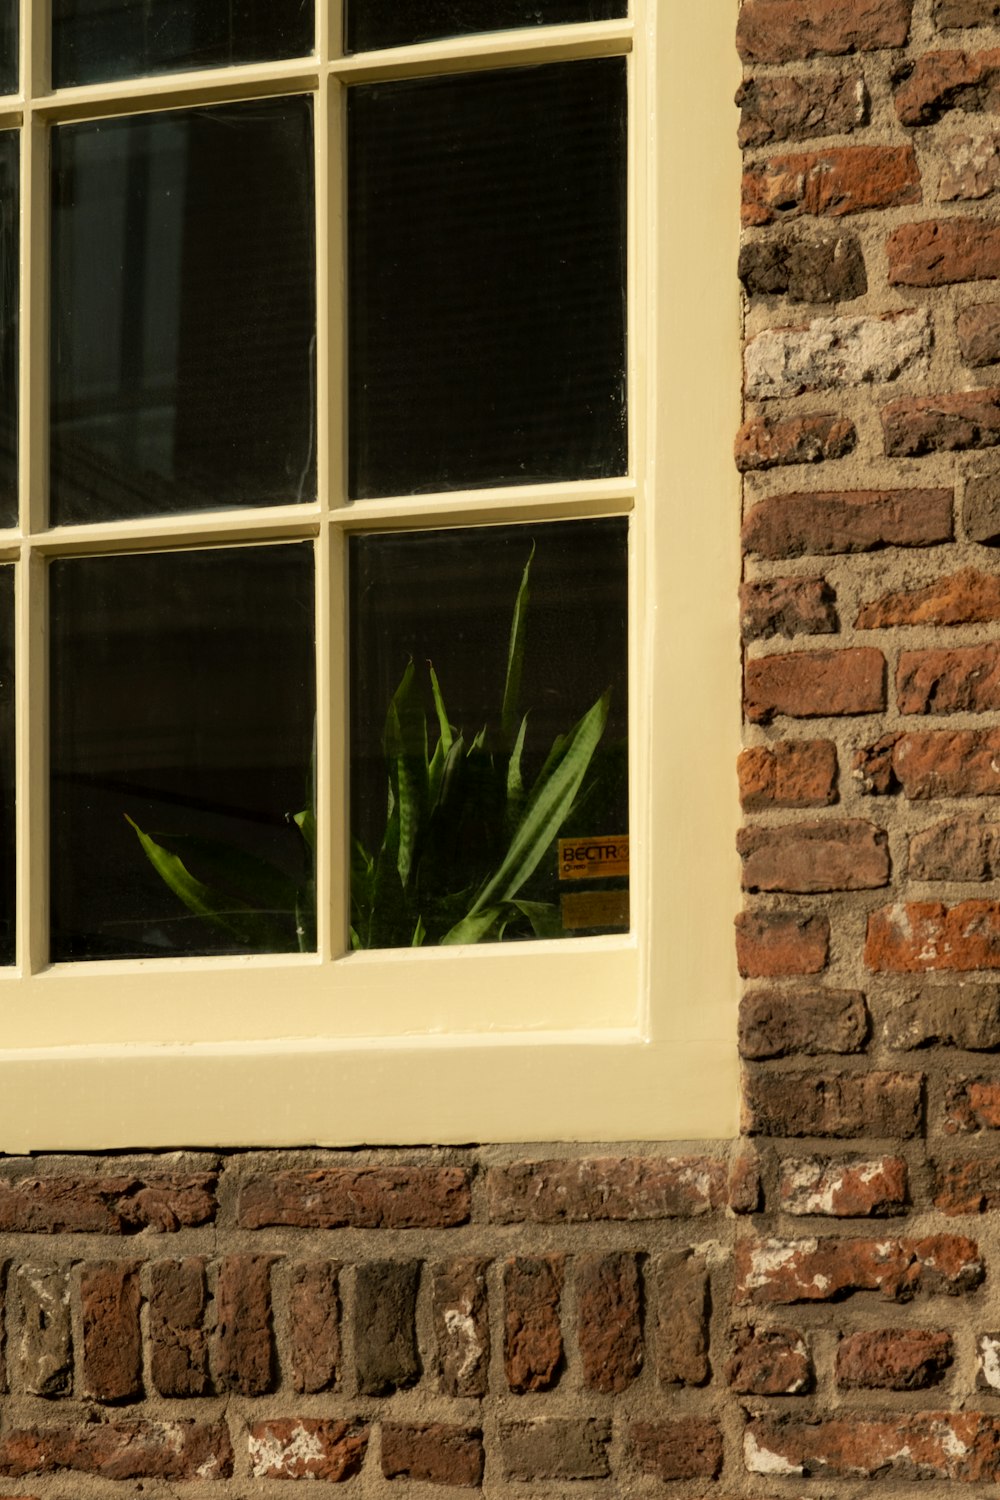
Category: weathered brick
<point>917,937</point>
<point>843,1188</point>
<point>134,1448</point>
<point>834,521</point>
<point>179,1349</point>
<point>745,1185</point>
<point>314,1325</point>
<point>772,443</point>
<point>789,773</point>
<point>800,106</point>
<point>981,508</point>
<point>787,606</point>
<point>967,1185</point>
<point>533,1349</point>
<point>940,252</point>
<point>681,1290</point>
<point>965,679</point>
<point>988,1361</point>
<point>687,1448</point>
<point>815,684</point>
<point>461,1326</point>
<point>979,329</point>
<point>593,1188</point>
<point>609,1328</point>
<point>380,1197</point>
<point>970,169</point>
<point>779,1272</point>
<point>941,424</point>
<point>385,1328</point>
<point>955,13</point>
<point>46,1347</point>
<point>831,353</point>
<point>873,767</point>
<point>432,1453</point>
<point>941,81</point>
<point>772,944</point>
<point>832,1104</point>
<point>112,1340</point>
<point>554,1448</point>
<point>897,1446</point>
<point>956,849</point>
<point>160,1201</point>
<point>968,597</point>
<point>770,1362</point>
<point>972,1104</point>
<point>961,1015</point>
<point>307,1448</point>
<point>893,1359</point>
<point>824,266</point>
<point>241,1347</point>
<point>777,31</point>
<point>830,183</point>
<point>774,1023</point>
<point>948,763</point>
<point>827,855</point>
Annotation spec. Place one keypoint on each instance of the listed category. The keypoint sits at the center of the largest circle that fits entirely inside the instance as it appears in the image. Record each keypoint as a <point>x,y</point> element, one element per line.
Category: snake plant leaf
<point>419,933</point>
<point>545,919</point>
<point>305,822</point>
<point>515,782</point>
<point>474,926</point>
<point>406,751</point>
<point>444,727</point>
<point>515,654</point>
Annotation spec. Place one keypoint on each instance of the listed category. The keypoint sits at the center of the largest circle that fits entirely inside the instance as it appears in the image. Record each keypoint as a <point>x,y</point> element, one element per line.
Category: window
<point>269,431</point>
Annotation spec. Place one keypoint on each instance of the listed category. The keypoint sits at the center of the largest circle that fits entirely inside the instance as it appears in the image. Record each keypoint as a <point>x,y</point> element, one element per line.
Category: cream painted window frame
<point>612,1038</point>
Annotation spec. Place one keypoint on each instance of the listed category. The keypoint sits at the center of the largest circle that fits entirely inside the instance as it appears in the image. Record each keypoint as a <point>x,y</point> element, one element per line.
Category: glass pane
<point>487,278</point>
<point>184,312</point>
<point>470,846</point>
<point>7,831</point>
<point>9,216</point>
<point>394,23</point>
<point>94,41</point>
<point>183,702</point>
<point>8,46</point>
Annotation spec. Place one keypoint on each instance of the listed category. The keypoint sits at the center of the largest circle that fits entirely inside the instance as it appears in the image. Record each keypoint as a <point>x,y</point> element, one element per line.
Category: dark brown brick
<point>432,1453</point>
<point>955,13</point>
<point>787,606</point>
<point>830,522</point>
<point>772,944</point>
<point>134,1448</point>
<point>981,508</point>
<point>773,442</point>
<point>461,1326</point>
<point>827,855</point>
<point>586,1189</point>
<point>553,1448</point>
<point>241,1346</point>
<point>112,1340</point>
<point>966,1016</point>
<point>957,849</point>
<point>609,1330</point>
<point>179,1349</point>
<point>832,1104</point>
<point>681,1291</point>
<point>827,266</point>
<point>161,1201</point>
<point>357,1197</point>
<point>893,1359</point>
<point>979,333</point>
<point>778,31</point>
<point>800,106</point>
<point>688,1448</point>
<point>770,1362</point>
<point>533,1350</point>
<point>307,1448</point>
<point>314,1325</point>
<point>385,1337</point>
<point>46,1347</point>
<point>774,1023</point>
<point>942,81</point>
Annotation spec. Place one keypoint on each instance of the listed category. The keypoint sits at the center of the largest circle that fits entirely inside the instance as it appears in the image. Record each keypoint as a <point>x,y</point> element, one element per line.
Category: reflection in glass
<point>94,41</point>
<point>7,832</point>
<point>395,23</point>
<point>183,312</point>
<point>486,245</point>
<point>9,216</point>
<point>528,744</point>
<point>8,46</point>
<point>183,699</point>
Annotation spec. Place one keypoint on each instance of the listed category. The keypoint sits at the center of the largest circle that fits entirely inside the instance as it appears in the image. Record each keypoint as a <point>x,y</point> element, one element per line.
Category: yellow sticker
<point>593,859</point>
<point>595,909</point>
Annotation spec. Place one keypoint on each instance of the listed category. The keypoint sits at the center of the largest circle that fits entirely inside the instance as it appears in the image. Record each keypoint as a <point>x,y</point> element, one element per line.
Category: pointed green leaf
<point>406,750</point>
<point>444,728</point>
<point>515,783</point>
<point>305,822</point>
<point>545,919</point>
<point>474,927</point>
<point>515,654</point>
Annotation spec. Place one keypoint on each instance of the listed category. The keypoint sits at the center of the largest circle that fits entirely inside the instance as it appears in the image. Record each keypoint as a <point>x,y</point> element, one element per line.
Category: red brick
<point>968,597</point>
<point>940,252</point>
<point>972,1104</point>
<point>960,1015</point>
<point>682,1311</point>
<point>357,1197</point>
<point>917,425</point>
<point>777,31</point>
<point>825,265</point>
<point>177,1302</point>
<point>773,442</point>
<point>687,1448</point>
<point>588,1189</point>
<point>241,1347</point>
<point>951,763</point>
<point>920,936</point>
<point>800,106</point>
<point>307,1448</point>
<point>744,1178</point>
<point>893,1359</point>
<point>160,1201</point>
<point>771,944</point>
<point>965,679</point>
<point>840,180</point>
<point>954,13</point>
<point>981,505</point>
<point>842,855</point>
<point>533,1350</point>
<point>830,522</point>
<point>554,1448</point>
<point>967,1185</point>
<point>46,1351</point>
<point>790,773</point>
<point>815,684</point>
<point>133,1448</point>
<point>777,1271</point>
<point>609,1320</point>
<point>832,1104</point>
<point>314,1326</point>
<point>787,606</point>
<point>432,1453</point>
<point>978,331</point>
<point>896,1446</point>
<point>844,1188</point>
<point>112,1341</point>
<point>385,1326</point>
<point>770,1362</point>
<point>774,1023</point>
<point>941,81</point>
<point>461,1326</point>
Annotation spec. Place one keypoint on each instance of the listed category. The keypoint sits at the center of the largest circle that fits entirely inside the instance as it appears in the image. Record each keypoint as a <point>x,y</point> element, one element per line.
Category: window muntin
<point>373,24</point>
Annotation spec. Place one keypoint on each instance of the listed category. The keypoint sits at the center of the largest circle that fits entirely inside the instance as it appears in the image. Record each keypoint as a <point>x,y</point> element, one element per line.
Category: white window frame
<point>613,1038</point>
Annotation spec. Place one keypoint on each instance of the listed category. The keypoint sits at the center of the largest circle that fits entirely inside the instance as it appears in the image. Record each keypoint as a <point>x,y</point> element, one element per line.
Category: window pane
<point>441,859</point>
<point>184,315</point>
<point>9,214</point>
<point>183,699</point>
<point>394,23</point>
<point>94,41</point>
<point>8,46</point>
<point>487,278</point>
<point>7,832</point>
